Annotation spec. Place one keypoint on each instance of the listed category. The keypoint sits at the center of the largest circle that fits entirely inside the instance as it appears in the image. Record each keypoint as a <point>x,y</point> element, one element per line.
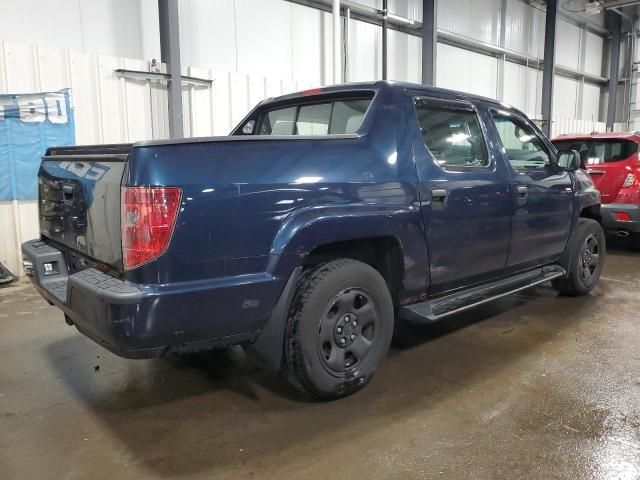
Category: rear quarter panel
<point>260,204</point>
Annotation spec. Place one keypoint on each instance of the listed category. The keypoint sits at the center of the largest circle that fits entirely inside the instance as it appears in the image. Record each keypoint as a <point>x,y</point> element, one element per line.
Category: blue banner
<point>29,124</point>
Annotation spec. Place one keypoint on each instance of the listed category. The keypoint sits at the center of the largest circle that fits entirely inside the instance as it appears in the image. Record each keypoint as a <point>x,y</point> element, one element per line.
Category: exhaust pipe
<point>623,233</point>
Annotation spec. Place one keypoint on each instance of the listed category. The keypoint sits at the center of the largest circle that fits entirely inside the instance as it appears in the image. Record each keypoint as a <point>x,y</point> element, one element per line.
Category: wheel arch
<point>361,232</point>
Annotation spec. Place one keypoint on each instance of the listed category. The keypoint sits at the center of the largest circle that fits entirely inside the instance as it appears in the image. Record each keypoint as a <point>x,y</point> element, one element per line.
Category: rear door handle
<point>438,198</point>
<point>522,192</point>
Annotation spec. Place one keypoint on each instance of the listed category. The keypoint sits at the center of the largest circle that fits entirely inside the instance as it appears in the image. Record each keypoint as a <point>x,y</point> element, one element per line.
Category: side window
<point>337,117</point>
<point>347,115</point>
<point>452,135</point>
<point>314,119</point>
<point>521,144</point>
<point>278,122</point>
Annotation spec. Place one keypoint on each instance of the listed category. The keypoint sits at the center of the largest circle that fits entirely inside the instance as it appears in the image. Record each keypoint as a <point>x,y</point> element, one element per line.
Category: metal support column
<point>582,48</point>
<point>385,13</point>
<point>614,23</point>
<point>429,41</point>
<point>170,54</point>
<point>549,65</point>
<point>347,19</point>
<point>502,59</point>
<point>337,43</point>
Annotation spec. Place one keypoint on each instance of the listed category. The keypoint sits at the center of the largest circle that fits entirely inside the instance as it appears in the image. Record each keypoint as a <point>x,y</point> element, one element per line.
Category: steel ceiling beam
<point>619,3</point>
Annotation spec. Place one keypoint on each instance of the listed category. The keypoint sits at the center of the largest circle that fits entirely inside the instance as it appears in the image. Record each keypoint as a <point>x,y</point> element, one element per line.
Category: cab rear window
<point>599,151</point>
<point>332,117</point>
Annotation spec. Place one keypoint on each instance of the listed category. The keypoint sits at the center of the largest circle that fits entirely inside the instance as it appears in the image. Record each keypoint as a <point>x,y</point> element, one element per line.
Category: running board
<point>432,310</point>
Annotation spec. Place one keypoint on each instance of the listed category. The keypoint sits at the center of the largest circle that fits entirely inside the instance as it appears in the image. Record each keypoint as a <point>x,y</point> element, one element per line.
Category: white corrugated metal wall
<point>254,49</point>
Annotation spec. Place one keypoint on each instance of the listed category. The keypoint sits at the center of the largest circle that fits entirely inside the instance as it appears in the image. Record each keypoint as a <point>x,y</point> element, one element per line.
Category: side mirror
<point>569,160</point>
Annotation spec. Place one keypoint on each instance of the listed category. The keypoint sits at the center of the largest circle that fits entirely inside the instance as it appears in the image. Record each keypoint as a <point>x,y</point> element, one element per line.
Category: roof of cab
<point>387,85</point>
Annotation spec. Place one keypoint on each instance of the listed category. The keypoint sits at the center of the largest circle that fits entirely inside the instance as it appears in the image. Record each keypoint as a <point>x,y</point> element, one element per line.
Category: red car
<point>613,161</point>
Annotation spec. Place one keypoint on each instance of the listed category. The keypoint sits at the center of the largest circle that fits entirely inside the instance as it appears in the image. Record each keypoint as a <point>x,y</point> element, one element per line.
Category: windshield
<point>594,152</point>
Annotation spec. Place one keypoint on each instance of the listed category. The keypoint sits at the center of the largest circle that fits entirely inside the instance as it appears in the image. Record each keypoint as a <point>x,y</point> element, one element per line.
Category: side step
<point>432,310</point>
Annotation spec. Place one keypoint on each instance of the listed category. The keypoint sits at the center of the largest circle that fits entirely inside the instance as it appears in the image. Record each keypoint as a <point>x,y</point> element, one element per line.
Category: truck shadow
<point>621,246</point>
<point>204,413</point>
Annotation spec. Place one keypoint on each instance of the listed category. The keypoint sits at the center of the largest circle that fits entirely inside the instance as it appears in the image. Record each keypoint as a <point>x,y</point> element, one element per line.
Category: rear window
<point>324,118</point>
<point>599,151</point>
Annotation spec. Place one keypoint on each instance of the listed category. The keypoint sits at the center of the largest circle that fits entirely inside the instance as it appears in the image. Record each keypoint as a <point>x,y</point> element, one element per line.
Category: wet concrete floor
<point>531,386</point>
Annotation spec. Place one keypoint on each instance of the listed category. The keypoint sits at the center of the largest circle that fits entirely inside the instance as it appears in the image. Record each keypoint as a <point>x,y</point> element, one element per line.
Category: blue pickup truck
<point>323,219</point>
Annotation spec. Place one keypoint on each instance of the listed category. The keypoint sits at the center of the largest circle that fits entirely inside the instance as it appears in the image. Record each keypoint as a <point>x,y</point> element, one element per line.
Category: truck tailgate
<point>79,193</point>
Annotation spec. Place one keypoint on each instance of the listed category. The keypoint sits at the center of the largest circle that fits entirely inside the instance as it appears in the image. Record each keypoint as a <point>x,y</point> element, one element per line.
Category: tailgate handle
<point>67,192</point>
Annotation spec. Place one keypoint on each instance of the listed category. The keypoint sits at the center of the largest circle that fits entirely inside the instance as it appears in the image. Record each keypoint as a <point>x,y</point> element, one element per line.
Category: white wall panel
<point>404,57</point>
<point>568,44</point>
<point>221,103</point>
<point>312,31</point>
<point>365,51</point>
<point>86,97</point>
<point>591,102</point>
<point>112,27</point>
<point>21,65</point>
<point>18,223</point>
<point>460,69</point>
<point>263,36</point>
<point>471,18</point>
<point>524,28</point>
<point>522,88</point>
<point>565,97</point>
<point>593,57</point>
<point>208,34</point>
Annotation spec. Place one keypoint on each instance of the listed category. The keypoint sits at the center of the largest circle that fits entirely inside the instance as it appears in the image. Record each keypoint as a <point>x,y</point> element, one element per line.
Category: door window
<point>452,134</point>
<point>523,147</point>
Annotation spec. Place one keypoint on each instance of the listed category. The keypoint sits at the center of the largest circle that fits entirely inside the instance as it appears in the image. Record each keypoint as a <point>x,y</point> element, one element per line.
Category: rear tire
<point>339,328</point>
<point>588,251</point>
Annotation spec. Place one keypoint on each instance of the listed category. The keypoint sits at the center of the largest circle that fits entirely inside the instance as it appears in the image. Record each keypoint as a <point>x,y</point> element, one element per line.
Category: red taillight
<point>148,217</point>
<point>622,216</point>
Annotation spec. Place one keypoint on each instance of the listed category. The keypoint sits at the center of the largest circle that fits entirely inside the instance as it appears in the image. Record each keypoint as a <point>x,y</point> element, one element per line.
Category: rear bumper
<point>611,223</point>
<point>143,321</point>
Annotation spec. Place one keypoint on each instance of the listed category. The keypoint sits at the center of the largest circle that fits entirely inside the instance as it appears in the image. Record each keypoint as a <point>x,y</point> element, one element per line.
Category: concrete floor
<point>532,386</point>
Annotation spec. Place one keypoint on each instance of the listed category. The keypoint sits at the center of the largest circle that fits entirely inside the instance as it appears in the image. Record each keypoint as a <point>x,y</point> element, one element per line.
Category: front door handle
<point>438,198</point>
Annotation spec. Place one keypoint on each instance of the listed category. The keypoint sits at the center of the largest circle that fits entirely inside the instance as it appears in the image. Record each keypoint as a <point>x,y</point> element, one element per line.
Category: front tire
<point>588,250</point>
<point>339,328</point>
